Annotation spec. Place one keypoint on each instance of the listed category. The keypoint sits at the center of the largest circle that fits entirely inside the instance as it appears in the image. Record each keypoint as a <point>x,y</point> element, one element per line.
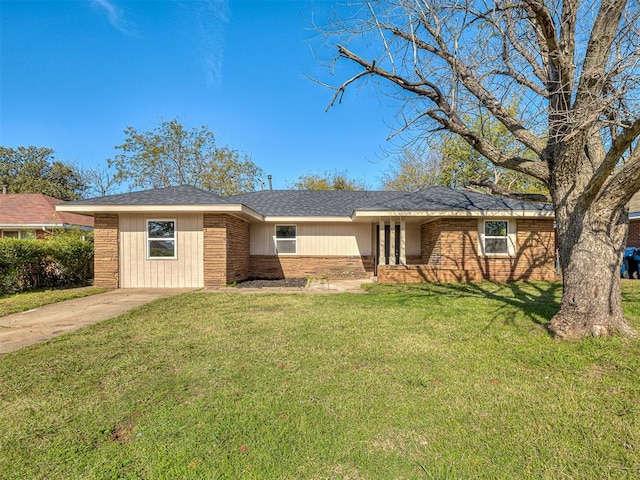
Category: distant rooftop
<point>36,210</point>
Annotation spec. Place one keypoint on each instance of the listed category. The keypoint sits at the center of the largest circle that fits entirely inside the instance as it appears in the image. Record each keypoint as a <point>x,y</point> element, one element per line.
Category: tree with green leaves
<point>35,170</point>
<point>412,170</point>
<point>171,155</point>
<point>328,181</point>
<point>463,166</point>
<point>575,64</point>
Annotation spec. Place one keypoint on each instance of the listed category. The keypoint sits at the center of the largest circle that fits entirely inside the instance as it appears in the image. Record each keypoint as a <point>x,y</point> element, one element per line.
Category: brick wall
<point>425,274</point>
<point>106,258</point>
<point>633,240</point>
<point>299,266</point>
<point>226,250</point>
<point>451,246</point>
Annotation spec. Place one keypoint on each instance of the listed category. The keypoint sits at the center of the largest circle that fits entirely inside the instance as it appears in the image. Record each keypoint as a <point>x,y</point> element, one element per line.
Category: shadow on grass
<point>536,301</point>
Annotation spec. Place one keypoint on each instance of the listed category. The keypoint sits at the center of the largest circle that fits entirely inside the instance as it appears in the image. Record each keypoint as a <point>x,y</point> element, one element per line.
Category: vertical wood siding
<point>137,271</point>
<point>338,239</point>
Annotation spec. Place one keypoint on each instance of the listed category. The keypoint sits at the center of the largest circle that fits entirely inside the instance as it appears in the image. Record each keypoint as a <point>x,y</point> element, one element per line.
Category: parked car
<point>630,263</point>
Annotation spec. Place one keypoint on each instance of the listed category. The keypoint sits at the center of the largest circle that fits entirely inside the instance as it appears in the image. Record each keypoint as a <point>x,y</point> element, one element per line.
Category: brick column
<point>106,259</point>
<point>226,250</point>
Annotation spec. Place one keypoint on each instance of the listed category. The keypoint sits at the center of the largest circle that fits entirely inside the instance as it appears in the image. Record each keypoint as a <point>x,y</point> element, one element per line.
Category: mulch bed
<point>285,282</point>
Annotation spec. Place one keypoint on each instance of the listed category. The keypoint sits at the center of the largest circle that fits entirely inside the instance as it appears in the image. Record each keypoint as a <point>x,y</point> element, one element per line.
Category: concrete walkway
<point>21,329</point>
<point>26,328</point>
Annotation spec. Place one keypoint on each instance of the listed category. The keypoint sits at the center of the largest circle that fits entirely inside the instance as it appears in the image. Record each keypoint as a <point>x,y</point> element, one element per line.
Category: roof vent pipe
<point>269,178</point>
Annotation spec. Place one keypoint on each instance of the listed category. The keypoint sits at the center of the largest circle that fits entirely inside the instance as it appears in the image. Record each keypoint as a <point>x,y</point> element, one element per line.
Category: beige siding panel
<point>634,204</point>
<point>327,239</point>
<point>261,239</point>
<point>413,233</point>
<point>137,271</point>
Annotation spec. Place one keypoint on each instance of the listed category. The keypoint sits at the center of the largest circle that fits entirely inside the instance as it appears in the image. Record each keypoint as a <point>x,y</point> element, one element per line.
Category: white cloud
<point>115,14</point>
<point>212,17</point>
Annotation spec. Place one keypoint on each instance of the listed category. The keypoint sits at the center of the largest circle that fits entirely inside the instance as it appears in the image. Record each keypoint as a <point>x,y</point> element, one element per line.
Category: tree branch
<point>505,192</point>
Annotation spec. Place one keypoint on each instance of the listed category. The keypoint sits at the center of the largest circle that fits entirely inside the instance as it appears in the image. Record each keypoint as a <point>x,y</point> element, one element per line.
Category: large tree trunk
<point>591,244</point>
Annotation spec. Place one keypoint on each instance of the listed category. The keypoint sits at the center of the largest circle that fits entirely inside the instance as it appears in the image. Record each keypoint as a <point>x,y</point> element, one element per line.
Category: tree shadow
<point>537,301</point>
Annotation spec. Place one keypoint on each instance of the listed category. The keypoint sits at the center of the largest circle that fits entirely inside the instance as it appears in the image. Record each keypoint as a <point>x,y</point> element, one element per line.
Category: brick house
<point>633,239</point>
<point>187,237</point>
<point>33,215</point>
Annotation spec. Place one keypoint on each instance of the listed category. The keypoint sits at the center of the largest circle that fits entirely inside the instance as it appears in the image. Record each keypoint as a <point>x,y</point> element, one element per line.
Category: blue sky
<point>75,73</point>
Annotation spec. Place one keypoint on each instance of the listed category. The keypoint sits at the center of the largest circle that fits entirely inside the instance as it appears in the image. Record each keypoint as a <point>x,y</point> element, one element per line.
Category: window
<point>496,237</point>
<point>161,238</point>
<point>23,234</point>
<point>286,239</point>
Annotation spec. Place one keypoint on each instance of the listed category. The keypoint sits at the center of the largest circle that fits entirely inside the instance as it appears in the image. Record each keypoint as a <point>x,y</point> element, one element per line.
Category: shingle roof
<point>321,203</point>
<point>300,203</point>
<point>344,202</point>
<point>36,209</point>
<point>449,199</point>
<point>182,195</point>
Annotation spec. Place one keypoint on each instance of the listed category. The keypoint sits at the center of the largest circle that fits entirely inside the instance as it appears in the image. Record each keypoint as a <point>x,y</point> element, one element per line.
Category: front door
<point>387,245</point>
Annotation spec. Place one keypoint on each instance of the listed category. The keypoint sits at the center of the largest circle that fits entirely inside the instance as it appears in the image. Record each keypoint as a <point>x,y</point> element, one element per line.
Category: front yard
<point>409,382</point>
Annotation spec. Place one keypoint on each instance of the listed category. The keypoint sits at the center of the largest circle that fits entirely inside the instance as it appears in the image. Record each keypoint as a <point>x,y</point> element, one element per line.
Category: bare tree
<point>100,181</point>
<point>575,66</point>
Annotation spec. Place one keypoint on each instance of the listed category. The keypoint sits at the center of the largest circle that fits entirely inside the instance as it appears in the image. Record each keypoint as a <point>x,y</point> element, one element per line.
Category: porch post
<point>382,258</point>
<point>403,242</point>
<point>392,241</point>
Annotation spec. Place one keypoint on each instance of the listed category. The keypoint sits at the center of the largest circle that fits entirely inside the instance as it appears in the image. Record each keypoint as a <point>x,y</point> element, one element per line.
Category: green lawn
<point>21,302</point>
<point>411,382</point>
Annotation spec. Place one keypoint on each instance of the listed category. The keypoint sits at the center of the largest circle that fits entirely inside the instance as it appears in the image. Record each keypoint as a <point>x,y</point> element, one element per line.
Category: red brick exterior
<point>633,239</point>
<point>297,266</point>
<point>226,250</point>
<point>450,252</point>
<point>106,261</point>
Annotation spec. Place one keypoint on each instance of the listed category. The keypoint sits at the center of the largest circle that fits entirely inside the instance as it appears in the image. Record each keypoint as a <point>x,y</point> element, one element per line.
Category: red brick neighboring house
<point>187,237</point>
<point>33,215</point>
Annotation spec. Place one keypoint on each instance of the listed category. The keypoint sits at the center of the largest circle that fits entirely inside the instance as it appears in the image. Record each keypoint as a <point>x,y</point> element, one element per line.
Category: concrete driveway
<point>21,329</point>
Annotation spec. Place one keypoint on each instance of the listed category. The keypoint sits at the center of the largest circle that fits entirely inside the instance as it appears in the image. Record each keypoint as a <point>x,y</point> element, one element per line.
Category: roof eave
<point>217,208</point>
<point>452,213</point>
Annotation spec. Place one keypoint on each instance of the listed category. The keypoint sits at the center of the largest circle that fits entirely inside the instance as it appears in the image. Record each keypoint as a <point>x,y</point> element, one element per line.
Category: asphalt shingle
<point>301,203</point>
<point>182,195</point>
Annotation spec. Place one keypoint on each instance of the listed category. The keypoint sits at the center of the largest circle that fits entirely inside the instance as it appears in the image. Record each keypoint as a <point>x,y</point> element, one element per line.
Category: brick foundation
<point>106,258</point>
<point>226,250</point>
<point>299,266</point>
<point>425,274</point>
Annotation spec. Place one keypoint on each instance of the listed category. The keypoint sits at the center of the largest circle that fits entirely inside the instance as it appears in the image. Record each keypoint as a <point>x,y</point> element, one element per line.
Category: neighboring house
<point>187,237</point>
<point>633,239</point>
<point>33,215</point>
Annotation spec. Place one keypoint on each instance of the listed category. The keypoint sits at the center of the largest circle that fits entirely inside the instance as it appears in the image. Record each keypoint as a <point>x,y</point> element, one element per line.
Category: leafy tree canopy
<point>171,155</point>
<point>35,170</point>
<point>328,181</point>
<point>412,170</point>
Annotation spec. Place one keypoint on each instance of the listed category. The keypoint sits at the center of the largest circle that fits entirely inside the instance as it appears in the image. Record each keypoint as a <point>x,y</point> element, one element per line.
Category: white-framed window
<point>21,234</point>
<point>161,238</point>
<point>497,238</point>
<point>286,239</point>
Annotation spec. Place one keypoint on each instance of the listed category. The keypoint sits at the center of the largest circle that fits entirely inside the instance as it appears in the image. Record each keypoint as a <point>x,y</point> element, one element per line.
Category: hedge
<point>61,260</point>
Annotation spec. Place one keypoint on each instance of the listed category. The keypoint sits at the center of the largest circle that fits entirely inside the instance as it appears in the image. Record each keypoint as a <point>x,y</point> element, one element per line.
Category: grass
<point>411,382</point>
<point>21,302</point>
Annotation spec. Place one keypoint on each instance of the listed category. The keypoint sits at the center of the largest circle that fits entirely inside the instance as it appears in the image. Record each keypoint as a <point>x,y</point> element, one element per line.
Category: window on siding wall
<point>23,234</point>
<point>286,239</point>
<point>496,237</point>
<point>161,238</point>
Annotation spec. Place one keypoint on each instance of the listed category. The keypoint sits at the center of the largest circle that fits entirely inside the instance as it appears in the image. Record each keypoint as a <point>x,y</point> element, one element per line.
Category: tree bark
<point>590,252</point>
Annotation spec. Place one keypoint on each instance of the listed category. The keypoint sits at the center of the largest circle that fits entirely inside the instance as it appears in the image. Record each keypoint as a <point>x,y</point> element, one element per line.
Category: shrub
<point>63,259</point>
